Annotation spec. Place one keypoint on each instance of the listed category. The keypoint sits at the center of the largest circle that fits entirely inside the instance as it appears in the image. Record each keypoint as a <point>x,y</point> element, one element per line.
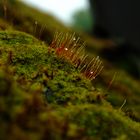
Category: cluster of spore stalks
<point>70,47</point>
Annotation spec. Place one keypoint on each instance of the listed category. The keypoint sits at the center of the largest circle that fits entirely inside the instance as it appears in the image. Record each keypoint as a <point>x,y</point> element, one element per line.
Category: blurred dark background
<point>119,21</point>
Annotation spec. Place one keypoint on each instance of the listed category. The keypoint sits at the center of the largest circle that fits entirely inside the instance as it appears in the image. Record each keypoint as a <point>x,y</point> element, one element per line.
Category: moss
<point>31,59</point>
<point>45,97</point>
<point>4,25</point>
<point>103,122</point>
<point>16,38</point>
<point>40,88</point>
<point>26,116</point>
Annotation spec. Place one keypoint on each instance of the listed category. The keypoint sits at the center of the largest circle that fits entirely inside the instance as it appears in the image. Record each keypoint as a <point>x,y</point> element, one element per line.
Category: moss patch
<point>43,96</point>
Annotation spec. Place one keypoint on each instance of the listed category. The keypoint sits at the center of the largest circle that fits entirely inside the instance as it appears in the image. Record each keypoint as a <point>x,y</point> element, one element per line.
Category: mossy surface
<point>31,60</point>
<point>43,96</point>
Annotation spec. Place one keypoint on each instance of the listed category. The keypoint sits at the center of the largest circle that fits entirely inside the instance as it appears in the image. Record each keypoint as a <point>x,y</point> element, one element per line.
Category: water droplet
<point>36,23</point>
<point>66,49</point>
<point>74,38</point>
<point>93,77</point>
<point>91,72</point>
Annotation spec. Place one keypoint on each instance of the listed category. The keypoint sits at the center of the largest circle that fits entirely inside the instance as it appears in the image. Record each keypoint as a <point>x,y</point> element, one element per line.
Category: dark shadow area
<point>119,20</point>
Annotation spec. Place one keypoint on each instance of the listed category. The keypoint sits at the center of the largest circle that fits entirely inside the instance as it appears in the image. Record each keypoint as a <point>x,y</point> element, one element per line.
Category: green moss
<point>43,96</point>
<point>4,25</point>
<point>35,87</point>
<point>26,116</point>
<point>61,82</point>
<point>16,38</point>
<point>103,122</point>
